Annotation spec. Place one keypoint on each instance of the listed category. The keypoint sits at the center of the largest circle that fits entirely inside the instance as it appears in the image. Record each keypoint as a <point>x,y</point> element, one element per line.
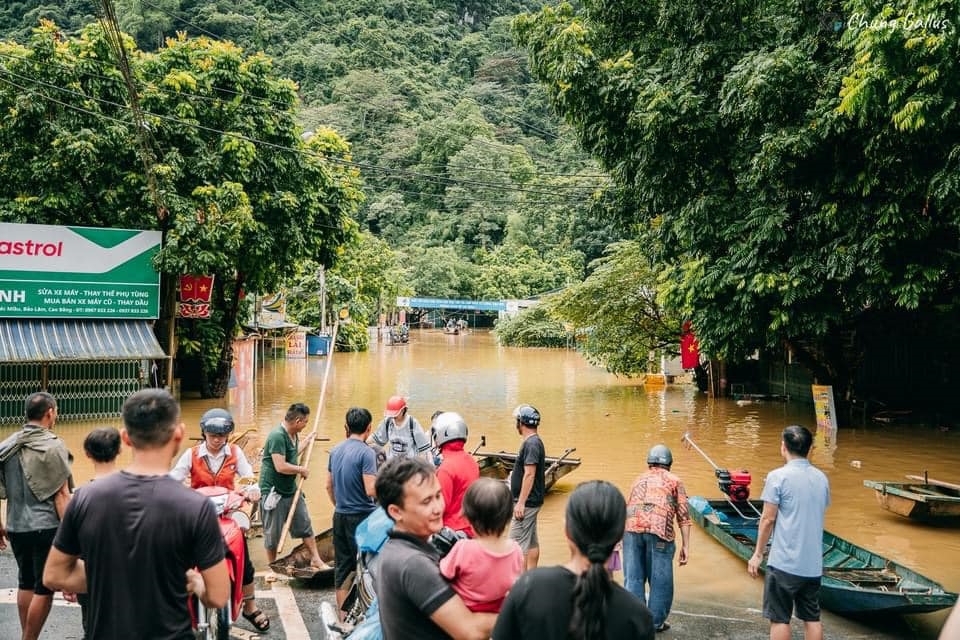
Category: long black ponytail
<point>596,515</point>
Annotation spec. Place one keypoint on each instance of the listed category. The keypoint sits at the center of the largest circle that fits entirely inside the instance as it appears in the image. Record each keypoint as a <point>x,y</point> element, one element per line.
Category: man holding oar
<point>278,484</point>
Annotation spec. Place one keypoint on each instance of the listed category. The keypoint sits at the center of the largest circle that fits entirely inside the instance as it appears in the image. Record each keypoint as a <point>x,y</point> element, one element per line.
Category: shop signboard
<point>78,272</point>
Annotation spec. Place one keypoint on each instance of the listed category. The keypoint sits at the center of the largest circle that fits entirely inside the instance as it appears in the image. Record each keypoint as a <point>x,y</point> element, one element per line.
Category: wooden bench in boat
<point>863,575</point>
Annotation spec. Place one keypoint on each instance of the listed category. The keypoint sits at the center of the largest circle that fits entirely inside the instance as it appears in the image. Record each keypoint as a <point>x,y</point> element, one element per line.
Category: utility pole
<point>322,277</point>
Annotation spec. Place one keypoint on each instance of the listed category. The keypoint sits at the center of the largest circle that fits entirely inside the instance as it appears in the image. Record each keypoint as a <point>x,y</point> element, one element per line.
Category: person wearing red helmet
<point>400,434</point>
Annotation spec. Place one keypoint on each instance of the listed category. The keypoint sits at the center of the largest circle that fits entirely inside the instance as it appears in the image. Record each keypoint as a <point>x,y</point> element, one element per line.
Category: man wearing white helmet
<point>528,484</point>
<point>457,471</point>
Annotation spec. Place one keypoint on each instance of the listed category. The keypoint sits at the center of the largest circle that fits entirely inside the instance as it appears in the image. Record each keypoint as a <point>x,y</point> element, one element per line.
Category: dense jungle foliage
<point>471,187</point>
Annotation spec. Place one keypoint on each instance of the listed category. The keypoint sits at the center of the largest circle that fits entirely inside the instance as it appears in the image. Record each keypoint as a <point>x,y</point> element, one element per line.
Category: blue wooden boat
<point>855,581</point>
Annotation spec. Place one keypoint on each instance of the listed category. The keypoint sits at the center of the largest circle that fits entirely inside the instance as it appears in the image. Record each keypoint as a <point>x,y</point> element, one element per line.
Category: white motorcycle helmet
<point>449,426</point>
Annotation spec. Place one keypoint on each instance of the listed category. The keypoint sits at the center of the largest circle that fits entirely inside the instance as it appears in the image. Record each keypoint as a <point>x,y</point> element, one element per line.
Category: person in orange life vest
<point>457,471</point>
<point>214,463</point>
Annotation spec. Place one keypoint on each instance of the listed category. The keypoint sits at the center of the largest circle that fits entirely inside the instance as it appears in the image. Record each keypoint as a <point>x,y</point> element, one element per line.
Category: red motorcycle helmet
<point>395,405</point>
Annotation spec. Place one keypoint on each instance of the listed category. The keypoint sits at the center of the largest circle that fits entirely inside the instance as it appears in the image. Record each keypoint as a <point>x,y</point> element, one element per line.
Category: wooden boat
<point>925,500</point>
<point>855,581</point>
<point>499,465</point>
<point>296,564</point>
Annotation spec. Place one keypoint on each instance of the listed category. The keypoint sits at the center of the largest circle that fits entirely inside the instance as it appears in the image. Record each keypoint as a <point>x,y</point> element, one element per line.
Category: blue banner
<point>450,303</point>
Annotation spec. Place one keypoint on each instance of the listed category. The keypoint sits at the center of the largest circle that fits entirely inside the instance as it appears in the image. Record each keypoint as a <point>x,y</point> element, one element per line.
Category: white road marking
<point>713,617</point>
<point>9,596</point>
<point>293,625</point>
<point>290,618</point>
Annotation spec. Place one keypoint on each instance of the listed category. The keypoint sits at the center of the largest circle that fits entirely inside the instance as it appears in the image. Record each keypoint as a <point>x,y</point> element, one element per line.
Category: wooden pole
<point>316,422</point>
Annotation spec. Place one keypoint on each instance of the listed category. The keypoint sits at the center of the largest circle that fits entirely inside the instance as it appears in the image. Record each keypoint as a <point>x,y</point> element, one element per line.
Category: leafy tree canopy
<point>235,190</point>
<point>790,170</point>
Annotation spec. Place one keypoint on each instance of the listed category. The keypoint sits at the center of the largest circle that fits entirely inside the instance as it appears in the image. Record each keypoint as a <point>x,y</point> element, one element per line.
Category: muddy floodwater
<point>612,422</point>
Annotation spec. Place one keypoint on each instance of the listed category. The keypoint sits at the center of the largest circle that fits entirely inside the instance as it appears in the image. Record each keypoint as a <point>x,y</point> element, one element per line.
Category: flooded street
<point>612,422</point>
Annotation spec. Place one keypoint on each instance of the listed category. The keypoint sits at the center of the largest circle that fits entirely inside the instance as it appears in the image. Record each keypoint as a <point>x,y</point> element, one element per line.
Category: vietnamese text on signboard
<point>450,303</point>
<point>78,272</point>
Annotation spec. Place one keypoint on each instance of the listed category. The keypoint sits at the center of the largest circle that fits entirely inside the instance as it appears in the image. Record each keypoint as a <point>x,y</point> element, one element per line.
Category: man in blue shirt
<point>795,497</point>
<point>351,487</point>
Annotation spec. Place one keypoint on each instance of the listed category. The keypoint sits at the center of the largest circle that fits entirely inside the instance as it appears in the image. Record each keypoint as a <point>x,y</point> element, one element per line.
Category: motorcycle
<point>214,624</point>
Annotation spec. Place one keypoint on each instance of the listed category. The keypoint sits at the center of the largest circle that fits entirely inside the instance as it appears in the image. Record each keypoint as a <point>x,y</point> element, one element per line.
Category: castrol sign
<point>78,272</point>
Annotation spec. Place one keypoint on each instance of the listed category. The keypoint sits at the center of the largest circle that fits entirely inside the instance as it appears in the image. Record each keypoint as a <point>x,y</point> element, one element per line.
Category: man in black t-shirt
<point>415,600</point>
<point>528,484</point>
<point>146,540</point>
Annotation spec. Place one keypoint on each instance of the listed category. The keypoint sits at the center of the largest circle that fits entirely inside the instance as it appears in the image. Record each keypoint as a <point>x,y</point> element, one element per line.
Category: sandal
<point>258,619</point>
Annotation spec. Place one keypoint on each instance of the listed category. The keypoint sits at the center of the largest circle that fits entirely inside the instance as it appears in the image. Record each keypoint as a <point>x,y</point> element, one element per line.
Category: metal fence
<point>89,389</point>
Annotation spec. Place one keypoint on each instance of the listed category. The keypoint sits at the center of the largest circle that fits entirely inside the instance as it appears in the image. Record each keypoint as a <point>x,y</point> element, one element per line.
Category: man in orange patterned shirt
<point>657,498</point>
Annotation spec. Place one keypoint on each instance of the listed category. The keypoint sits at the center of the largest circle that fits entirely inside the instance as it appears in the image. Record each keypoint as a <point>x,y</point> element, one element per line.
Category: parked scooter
<point>214,624</point>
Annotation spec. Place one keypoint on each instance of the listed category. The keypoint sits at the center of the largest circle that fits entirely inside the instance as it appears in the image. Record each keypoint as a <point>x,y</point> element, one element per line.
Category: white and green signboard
<point>78,272</point>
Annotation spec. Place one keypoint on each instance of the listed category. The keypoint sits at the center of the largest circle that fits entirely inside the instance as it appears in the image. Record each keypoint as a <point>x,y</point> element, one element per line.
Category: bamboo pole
<point>316,422</point>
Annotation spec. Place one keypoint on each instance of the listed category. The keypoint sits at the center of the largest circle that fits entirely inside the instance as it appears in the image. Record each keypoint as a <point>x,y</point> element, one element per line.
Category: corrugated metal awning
<point>73,340</point>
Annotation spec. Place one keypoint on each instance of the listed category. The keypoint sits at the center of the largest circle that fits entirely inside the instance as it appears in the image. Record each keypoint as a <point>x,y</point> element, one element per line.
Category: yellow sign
<point>826,413</point>
<point>344,313</point>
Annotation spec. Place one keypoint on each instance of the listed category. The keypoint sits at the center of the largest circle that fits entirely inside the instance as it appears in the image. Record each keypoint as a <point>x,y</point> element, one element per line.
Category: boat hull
<point>499,466</point>
<point>917,500</point>
<point>296,564</point>
<point>856,581</point>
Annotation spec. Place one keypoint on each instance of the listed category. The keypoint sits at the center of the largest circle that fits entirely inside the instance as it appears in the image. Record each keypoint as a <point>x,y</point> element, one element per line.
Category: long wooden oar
<point>306,460</point>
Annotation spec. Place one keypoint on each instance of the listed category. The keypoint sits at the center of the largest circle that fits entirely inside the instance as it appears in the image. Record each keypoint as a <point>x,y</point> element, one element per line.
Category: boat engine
<point>735,484</point>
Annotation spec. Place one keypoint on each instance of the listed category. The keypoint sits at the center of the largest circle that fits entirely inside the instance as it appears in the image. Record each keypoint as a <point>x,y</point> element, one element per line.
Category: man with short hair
<point>34,479</point>
<point>400,434</point>
<point>279,469</point>
<point>352,472</point>
<point>146,541</point>
<point>528,484</point>
<point>415,600</point>
<point>795,497</point>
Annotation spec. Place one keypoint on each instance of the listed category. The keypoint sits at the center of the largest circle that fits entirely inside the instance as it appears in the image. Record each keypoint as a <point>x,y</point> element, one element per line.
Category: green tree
<point>240,195</point>
<point>615,310</point>
<point>778,211</point>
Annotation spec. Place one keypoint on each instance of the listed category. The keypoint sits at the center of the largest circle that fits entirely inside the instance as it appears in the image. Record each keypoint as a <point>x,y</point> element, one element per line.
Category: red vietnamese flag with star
<point>195,292</point>
<point>689,348</point>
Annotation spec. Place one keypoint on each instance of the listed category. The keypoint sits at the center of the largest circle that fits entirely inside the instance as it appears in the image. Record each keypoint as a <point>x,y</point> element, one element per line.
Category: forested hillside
<point>470,180</point>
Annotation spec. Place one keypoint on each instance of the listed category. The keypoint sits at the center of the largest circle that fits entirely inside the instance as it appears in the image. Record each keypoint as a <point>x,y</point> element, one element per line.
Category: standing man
<point>457,471</point>
<point>351,478</point>
<point>400,434</point>
<point>657,498</point>
<point>146,541</point>
<point>278,484</point>
<point>527,483</point>
<point>34,479</point>
<point>214,463</point>
<point>795,497</point>
<point>415,600</point>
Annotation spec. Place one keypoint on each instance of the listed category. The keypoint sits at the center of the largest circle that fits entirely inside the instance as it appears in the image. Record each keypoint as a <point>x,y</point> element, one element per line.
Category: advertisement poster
<point>826,414</point>
<point>297,345</point>
<point>78,272</point>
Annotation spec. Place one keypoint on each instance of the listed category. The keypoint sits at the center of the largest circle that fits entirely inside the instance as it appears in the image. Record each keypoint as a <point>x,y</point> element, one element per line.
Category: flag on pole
<point>195,292</point>
<point>689,349</point>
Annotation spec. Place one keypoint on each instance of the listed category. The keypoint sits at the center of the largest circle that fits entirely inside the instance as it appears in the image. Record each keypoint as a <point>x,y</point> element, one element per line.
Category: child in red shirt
<point>482,570</point>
